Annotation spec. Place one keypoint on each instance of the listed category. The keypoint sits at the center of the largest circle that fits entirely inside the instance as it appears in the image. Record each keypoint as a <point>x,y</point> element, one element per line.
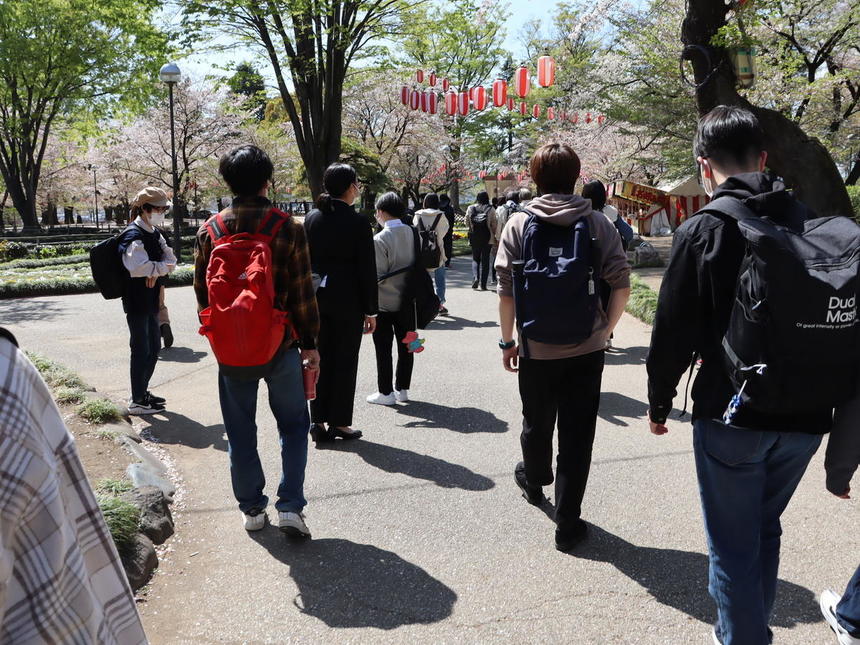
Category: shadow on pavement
<point>172,428</point>
<point>348,585</point>
<point>19,310</point>
<point>413,464</point>
<point>626,356</point>
<point>464,420</point>
<point>613,406</point>
<point>454,323</point>
<point>181,355</point>
<point>679,579</point>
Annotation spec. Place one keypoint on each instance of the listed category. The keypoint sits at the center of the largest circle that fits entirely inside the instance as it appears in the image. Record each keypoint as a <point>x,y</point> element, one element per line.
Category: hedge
<point>45,262</point>
<point>643,300</point>
<point>66,286</point>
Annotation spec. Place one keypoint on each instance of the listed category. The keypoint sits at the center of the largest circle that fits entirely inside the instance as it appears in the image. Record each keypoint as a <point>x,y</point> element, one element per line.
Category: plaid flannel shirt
<point>61,580</point>
<point>291,265</point>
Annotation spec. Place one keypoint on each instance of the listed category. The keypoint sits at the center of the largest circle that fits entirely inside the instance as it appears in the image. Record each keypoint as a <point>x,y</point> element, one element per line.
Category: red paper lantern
<point>423,101</point>
<point>522,82</point>
<point>432,79</point>
<point>546,71</point>
<point>404,95</point>
<point>482,174</point>
<point>479,97</point>
<point>446,84</point>
<point>500,92</point>
<point>463,103</point>
<point>415,99</point>
<point>536,111</point>
<point>588,117</point>
<point>432,99</point>
<point>419,75</point>
<point>511,103</point>
<point>550,113</point>
<point>451,103</point>
<point>524,108</point>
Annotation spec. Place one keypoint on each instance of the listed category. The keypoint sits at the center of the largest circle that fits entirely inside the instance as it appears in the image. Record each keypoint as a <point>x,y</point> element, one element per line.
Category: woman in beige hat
<point>146,256</point>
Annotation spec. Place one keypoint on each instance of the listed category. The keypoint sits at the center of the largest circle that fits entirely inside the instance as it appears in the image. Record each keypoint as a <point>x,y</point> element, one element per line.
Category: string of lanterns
<point>460,103</point>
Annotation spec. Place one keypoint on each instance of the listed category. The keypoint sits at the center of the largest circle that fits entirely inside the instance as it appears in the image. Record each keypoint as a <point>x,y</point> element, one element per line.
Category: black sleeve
<point>676,327</point>
<point>367,267</point>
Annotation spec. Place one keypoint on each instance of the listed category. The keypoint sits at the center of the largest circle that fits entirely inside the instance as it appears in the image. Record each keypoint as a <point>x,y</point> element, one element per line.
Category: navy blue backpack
<point>555,283</point>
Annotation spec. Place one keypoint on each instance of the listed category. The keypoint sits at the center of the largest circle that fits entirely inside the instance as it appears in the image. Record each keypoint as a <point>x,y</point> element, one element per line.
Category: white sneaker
<point>382,399</point>
<point>293,524</point>
<point>402,395</point>
<point>255,522</point>
<point>828,601</point>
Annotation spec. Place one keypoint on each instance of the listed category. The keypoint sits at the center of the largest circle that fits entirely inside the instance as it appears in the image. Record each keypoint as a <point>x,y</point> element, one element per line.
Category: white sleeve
<point>137,261</point>
<point>169,256</point>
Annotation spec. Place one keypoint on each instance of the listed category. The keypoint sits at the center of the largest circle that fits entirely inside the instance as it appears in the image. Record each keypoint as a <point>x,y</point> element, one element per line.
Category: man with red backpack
<point>252,279</point>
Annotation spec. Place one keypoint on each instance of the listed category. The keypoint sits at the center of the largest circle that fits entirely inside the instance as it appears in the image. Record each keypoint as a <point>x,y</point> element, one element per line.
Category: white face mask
<point>156,219</point>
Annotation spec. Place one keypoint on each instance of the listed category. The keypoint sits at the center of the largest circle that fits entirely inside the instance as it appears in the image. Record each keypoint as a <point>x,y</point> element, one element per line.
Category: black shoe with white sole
<point>166,335</point>
<point>533,494</point>
<point>140,408</point>
<point>158,400</point>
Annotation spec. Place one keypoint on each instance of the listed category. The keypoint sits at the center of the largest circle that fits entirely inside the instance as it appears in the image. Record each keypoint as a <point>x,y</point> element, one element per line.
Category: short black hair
<point>596,192</point>
<point>483,198</point>
<point>431,200</point>
<point>729,136</point>
<point>246,170</point>
<point>392,204</point>
<point>513,195</point>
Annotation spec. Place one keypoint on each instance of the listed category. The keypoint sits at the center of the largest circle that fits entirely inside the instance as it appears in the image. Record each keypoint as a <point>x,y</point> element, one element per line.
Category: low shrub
<point>67,395</point>
<point>123,521</point>
<point>61,285</point>
<point>643,300</point>
<point>113,486</point>
<point>98,411</point>
<point>36,263</point>
<point>12,250</point>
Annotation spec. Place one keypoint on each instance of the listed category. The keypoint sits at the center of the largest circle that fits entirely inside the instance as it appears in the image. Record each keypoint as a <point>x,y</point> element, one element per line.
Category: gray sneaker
<point>293,524</point>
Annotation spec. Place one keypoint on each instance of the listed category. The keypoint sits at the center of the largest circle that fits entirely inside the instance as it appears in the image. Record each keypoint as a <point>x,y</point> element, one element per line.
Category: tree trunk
<point>26,207</point>
<point>803,162</point>
<point>854,173</point>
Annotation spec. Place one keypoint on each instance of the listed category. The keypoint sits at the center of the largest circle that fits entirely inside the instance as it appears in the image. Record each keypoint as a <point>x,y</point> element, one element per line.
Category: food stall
<point>657,211</point>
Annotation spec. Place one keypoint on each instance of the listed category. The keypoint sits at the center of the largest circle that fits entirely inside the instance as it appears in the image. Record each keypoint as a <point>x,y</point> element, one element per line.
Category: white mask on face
<point>156,219</point>
<point>707,183</point>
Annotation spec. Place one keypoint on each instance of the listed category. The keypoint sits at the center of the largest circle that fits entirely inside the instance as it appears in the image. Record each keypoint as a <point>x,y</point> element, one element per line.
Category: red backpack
<point>241,322</point>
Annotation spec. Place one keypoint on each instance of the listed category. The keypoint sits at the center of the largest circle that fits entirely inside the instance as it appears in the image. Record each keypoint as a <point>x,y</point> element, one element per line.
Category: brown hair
<point>555,168</point>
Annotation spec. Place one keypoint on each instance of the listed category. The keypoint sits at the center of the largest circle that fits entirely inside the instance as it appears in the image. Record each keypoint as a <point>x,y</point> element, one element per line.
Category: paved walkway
<point>420,535</point>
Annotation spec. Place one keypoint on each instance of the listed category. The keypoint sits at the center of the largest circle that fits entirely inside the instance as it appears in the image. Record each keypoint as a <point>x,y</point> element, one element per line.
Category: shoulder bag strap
<point>435,222</point>
<point>731,206</point>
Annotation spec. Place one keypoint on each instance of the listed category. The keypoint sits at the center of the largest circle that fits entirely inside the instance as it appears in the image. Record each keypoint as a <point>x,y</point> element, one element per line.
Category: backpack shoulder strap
<point>435,222</point>
<point>272,223</point>
<point>731,206</point>
<point>421,223</point>
<point>217,228</point>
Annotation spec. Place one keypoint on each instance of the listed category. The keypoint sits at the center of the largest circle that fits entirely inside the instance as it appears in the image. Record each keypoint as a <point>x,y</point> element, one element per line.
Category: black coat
<point>342,254</point>
<point>695,304</point>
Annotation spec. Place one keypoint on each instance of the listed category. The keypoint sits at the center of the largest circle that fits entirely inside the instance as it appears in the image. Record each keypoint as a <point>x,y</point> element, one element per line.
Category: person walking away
<point>247,171</point>
<point>596,192</point>
<point>441,275</point>
<point>480,238</point>
<point>395,254</point>
<point>756,424</point>
<point>841,460</point>
<point>431,220</point>
<point>547,267</point>
<point>146,256</point>
<point>525,197</point>
<point>61,578</point>
<point>342,254</point>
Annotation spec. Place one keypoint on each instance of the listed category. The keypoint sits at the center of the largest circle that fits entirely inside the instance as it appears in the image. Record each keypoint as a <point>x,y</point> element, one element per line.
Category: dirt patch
<point>102,456</point>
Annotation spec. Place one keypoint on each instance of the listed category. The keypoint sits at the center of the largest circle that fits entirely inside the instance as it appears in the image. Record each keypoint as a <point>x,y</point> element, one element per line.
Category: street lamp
<point>171,75</point>
<point>93,167</point>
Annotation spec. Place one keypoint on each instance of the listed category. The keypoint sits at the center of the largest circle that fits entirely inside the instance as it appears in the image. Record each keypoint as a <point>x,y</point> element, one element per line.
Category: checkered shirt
<point>61,580</point>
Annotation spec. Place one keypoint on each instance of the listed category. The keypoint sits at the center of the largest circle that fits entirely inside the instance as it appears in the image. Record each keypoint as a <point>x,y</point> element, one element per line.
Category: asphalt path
<point>419,533</point>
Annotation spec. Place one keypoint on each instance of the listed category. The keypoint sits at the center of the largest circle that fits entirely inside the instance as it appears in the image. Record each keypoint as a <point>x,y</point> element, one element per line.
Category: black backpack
<point>420,292</point>
<point>555,282</point>
<point>430,255</point>
<point>108,271</point>
<point>480,225</point>
<point>793,341</point>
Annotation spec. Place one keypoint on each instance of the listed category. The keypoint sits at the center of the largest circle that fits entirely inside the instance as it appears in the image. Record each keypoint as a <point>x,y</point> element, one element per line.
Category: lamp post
<point>170,74</point>
<point>93,167</point>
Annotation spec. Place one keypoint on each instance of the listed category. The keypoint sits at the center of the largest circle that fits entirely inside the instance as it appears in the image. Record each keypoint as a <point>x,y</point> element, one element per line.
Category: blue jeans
<point>848,609</point>
<point>439,277</point>
<point>145,343</point>
<point>746,479</point>
<point>239,408</point>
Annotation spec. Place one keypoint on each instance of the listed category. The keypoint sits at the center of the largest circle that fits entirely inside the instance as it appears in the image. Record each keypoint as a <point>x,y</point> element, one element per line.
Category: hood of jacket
<point>429,212</point>
<point>562,210</point>
<point>766,196</point>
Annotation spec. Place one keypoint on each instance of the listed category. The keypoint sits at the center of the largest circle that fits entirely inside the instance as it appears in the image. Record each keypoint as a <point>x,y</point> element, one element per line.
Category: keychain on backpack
<point>414,344</point>
<point>736,402</point>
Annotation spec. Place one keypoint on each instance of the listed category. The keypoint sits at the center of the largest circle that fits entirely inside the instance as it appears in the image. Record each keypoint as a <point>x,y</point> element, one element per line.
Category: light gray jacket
<point>395,249</point>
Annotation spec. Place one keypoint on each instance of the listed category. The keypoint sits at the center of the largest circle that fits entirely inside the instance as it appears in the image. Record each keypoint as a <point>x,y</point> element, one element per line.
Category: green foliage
<point>366,164</point>
<point>56,375</point>
<point>854,194</point>
<point>47,262</point>
<point>12,250</point>
<point>643,300</point>
<point>58,285</point>
<point>248,82</point>
<point>67,395</point>
<point>99,411</point>
<point>123,521</point>
<point>113,486</point>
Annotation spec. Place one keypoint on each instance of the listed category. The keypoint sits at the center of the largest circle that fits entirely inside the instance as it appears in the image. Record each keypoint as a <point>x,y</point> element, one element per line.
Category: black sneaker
<point>141,408</point>
<point>166,335</point>
<point>567,540</point>
<point>443,311</point>
<point>475,285</point>
<point>533,494</point>
<point>158,400</point>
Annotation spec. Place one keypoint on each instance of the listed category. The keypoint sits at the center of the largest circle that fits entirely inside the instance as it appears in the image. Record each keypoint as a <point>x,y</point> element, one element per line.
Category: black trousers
<point>339,344</point>
<point>393,326</point>
<point>566,391</point>
<point>481,263</point>
<point>145,342</point>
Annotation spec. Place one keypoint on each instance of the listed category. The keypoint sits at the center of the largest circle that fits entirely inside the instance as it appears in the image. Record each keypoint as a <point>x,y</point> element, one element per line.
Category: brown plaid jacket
<point>61,580</point>
<point>291,265</point>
